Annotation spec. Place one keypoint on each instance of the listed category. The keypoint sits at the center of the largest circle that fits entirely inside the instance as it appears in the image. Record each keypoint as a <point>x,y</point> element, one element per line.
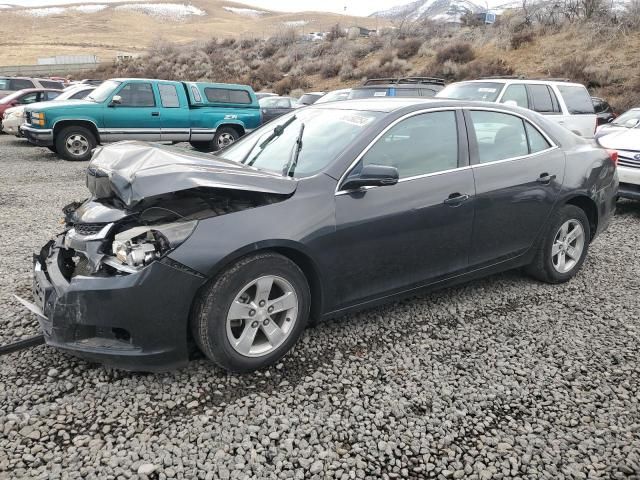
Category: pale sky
<point>354,7</point>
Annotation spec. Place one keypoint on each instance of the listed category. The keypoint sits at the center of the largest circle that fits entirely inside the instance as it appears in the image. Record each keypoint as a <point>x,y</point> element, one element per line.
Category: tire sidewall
<point>221,131</point>
<point>220,299</point>
<point>61,143</point>
<point>568,212</point>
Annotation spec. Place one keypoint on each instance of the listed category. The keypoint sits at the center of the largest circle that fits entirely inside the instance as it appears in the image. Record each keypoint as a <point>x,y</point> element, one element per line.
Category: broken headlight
<point>139,246</point>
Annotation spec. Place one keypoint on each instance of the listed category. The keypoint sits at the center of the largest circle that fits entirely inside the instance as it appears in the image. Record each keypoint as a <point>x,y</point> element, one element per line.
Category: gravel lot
<point>501,378</point>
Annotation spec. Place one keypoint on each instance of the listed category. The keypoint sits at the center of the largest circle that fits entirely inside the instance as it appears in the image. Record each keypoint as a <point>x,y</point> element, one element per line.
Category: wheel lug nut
<point>266,322</point>
<point>255,324</point>
<point>262,303</point>
<point>252,313</point>
<point>288,319</point>
<point>270,309</point>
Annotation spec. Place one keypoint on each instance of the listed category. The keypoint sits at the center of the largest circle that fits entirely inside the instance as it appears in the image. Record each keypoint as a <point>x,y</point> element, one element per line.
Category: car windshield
<point>334,96</point>
<point>628,119</point>
<point>325,134</point>
<point>103,92</point>
<point>477,91</point>
<point>275,102</point>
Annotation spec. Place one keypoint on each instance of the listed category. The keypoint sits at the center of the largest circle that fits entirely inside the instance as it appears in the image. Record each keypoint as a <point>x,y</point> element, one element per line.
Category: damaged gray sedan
<point>323,211</point>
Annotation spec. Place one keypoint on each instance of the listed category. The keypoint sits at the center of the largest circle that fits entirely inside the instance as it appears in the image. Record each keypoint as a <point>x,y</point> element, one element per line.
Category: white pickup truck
<point>569,104</point>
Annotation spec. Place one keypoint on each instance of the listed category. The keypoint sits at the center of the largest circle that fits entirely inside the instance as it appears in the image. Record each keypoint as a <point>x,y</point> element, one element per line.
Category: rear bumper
<point>42,137</point>
<point>133,322</point>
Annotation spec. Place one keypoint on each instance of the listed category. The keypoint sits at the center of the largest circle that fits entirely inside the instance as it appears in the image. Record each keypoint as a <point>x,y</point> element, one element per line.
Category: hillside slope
<point>131,26</point>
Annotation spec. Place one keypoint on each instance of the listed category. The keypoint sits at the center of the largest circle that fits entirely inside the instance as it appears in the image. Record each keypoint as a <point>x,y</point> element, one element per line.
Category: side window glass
<point>169,96</point>
<point>80,95</point>
<point>196,94</point>
<point>537,143</point>
<point>516,93</point>
<point>29,98</point>
<point>543,102</point>
<point>20,83</point>
<point>426,143</point>
<point>499,136</point>
<point>137,95</point>
<point>577,99</point>
<point>52,95</point>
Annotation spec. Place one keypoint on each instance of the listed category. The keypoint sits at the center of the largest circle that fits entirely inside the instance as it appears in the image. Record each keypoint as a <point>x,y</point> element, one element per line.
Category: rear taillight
<point>613,155</point>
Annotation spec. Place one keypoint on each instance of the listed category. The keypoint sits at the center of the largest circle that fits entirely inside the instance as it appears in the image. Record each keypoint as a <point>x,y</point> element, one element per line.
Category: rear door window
<point>543,99</point>
<point>20,83</point>
<point>169,96</point>
<point>499,136</point>
<point>516,93</point>
<point>577,99</point>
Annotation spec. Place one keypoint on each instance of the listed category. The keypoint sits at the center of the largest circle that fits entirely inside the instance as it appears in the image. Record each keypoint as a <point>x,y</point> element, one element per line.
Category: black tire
<point>209,316</point>
<point>84,135</point>
<point>542,267</point>
<point>53,148</point>
<point>224,137</point>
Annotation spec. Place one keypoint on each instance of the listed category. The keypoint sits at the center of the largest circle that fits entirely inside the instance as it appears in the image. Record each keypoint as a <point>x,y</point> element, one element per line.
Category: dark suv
<point>398,87</point>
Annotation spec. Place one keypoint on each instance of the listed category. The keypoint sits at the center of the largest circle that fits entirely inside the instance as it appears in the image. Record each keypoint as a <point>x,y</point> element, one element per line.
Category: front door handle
<point>545,178</point>
<point>456,199</point>
<point>155,114</point>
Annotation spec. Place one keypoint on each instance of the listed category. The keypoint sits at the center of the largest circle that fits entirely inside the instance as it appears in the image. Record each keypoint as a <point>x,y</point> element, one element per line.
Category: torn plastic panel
<point>135,171</point>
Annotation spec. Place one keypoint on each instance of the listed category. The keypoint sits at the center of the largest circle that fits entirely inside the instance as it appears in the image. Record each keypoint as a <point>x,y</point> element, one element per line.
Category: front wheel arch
<point>62,124</point>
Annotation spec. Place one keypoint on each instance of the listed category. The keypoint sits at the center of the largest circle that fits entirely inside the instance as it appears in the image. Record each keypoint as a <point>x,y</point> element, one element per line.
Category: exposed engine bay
<point>129,239</point>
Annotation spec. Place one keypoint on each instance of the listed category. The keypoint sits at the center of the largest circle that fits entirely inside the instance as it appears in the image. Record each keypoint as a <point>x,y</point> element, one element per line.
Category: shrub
<point>336,32</point>
<point>521,38</point>
<point>386,57</point>
<point>330,70</point>
<point>267,73</point>
<point>408,48</point>
<point>457,53</point>
<point>269,49</point>
<point>287,84</point>
<point>494,67</point>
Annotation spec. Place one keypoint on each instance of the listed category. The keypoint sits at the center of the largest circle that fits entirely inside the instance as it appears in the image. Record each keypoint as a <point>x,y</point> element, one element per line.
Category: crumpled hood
<point>133,171</point>
<point>627,139</point>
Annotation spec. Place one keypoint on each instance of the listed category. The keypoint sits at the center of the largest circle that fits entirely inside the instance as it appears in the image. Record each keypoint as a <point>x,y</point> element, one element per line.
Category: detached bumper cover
<point>42,137</point>
<point>133,322</point>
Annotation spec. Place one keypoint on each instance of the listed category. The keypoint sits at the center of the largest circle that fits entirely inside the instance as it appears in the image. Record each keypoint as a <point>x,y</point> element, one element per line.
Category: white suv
<point>569,104</point>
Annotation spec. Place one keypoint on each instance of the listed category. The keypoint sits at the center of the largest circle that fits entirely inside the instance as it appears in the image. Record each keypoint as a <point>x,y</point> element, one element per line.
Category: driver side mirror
<point>372,176</point>
<point>116,100</point>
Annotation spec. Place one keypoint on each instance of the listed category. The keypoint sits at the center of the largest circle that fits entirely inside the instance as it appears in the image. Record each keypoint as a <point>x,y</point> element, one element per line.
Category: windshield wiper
<point>277,131</point>
<point>290,167</point>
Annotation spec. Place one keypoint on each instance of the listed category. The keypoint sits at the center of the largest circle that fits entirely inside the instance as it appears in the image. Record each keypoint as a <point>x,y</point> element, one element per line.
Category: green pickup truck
<point>208,115</point>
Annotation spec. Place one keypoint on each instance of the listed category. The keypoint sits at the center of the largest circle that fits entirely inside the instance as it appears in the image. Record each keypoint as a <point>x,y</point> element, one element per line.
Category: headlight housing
<point>139,246</point>
<point>38,118</point>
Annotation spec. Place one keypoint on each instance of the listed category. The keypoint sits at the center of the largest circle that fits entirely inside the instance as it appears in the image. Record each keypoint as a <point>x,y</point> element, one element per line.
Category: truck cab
<point>208,115</point>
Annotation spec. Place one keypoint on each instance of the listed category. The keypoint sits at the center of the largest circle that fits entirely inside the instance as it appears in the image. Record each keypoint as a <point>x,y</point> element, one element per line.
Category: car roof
<point>523,80</point>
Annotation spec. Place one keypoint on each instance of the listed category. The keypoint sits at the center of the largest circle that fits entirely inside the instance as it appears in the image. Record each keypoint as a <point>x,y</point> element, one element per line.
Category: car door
<point>518,173</point>
<point>398,237</point>
<point>175,118</point>
<point>136,117</point>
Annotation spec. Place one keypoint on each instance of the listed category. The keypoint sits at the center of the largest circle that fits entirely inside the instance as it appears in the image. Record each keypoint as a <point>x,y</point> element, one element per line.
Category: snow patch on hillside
<point>42,12</point>
<point>94,8</point>
<point>246,12</point>
<point>2,6</point>
<point>295,23</point>
<point>171,11</point>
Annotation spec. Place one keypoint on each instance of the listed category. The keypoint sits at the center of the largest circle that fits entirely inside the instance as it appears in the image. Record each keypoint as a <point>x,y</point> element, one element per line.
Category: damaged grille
<point>88,228</point>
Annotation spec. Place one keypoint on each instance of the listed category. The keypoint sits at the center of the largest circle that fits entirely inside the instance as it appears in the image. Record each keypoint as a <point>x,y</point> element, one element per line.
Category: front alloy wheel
<point>250,315</point>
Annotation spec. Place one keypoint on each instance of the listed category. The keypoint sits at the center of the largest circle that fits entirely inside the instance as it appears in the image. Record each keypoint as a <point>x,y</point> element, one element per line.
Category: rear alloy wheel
<point>253,313</point>
<point>75,143</point>
<point>564,248</point>
<point>224,137</point>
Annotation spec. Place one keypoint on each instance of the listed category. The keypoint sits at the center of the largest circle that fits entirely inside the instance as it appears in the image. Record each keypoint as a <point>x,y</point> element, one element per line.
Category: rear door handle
<point>545,178</point>
<point>456,199</point>
<point>155,114</point>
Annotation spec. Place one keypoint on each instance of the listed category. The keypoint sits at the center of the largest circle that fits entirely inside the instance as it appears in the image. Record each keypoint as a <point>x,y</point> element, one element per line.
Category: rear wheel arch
<point>590,209</point>
<point>237,127</point>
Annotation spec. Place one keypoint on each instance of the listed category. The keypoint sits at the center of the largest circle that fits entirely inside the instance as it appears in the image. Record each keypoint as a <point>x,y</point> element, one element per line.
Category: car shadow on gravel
<point>628,207</point>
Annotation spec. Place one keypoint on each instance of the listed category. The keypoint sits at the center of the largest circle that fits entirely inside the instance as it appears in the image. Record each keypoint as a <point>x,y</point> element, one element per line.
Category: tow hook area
<point>25,342</point>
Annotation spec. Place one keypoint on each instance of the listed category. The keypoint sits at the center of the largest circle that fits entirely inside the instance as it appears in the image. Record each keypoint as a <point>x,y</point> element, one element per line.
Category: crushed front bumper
<point>42,137</point>
<point>136,321</point>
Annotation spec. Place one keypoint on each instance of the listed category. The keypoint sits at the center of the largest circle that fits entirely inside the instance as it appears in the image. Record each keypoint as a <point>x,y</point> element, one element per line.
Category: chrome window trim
<point>553,144</point>
<point>339,191</point>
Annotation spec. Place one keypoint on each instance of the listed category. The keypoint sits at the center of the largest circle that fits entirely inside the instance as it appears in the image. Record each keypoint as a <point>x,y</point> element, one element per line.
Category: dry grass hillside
<point>24,37</point>
<point>604,57</point>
